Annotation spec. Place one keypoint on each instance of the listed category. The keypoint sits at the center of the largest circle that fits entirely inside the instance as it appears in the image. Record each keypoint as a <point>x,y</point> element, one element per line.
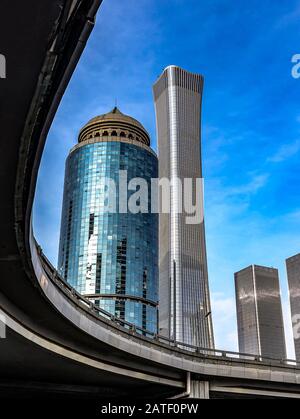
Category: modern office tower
<point>293,274</point>
<point>259,312</point>
<point>106,252</point>
<point>184,311</point>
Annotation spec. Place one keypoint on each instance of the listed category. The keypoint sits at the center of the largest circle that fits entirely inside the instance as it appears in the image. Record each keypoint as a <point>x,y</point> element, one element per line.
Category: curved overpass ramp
<point>56,342</point>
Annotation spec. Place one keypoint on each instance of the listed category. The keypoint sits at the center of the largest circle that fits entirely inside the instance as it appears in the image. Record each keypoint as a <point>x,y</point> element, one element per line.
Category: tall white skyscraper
<point>185,313</point>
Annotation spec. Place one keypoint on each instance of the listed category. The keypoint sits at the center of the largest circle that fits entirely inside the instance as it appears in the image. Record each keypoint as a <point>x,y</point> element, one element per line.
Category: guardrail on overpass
<point>140,332</point>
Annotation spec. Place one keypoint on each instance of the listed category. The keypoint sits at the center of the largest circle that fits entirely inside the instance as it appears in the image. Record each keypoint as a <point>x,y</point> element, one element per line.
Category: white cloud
<point>289,18</point>
<point>293,216</point>
<point>288,328</point>
<point>224,319</point>
<point>254,185</point>
<point>215,189</point>
<point>284,152</point>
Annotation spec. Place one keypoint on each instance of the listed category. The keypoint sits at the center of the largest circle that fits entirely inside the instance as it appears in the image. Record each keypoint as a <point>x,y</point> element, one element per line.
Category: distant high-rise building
<point>259,312</point>
<point>293,274</point>
<point>184,311</point>
<point>111,256</point>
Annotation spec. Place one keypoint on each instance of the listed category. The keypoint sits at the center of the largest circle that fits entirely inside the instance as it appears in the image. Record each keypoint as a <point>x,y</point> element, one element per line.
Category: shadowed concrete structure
<point>57,342</point>
<point>259,312</point>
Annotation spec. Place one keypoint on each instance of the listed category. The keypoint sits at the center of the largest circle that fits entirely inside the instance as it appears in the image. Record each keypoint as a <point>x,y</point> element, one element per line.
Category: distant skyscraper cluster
<point>150,267</point>
<point>259,310</point>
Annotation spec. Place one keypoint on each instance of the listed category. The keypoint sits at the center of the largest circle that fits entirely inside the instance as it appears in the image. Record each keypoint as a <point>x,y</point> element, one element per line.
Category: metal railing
<point>143,333</point>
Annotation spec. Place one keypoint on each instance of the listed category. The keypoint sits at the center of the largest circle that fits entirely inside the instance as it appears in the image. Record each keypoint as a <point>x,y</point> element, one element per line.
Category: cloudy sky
<point>251,124</point>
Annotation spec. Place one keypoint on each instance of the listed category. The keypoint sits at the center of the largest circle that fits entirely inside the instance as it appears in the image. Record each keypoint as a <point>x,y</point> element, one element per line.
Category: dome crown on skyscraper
<point>114,124</point>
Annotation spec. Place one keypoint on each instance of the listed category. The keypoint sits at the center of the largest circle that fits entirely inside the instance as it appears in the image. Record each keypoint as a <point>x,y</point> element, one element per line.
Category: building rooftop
<point>114,120</point>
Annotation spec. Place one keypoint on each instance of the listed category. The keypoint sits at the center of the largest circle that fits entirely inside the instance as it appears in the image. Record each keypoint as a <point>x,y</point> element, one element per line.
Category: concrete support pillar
<point>2,326</point>
<point>199,389</point>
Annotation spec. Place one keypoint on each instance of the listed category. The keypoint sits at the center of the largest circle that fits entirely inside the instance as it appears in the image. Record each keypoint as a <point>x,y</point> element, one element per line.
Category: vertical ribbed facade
<point>111,257</point>
<point>293,274</point>
<point>184,310</point>
<point>259,312</point>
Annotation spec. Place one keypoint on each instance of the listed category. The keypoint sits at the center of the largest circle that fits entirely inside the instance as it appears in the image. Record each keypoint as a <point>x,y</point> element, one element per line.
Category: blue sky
<point>251,124</point>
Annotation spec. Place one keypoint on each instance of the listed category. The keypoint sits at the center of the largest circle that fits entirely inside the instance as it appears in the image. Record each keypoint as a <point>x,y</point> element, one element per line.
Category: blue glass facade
<point>112,256</point>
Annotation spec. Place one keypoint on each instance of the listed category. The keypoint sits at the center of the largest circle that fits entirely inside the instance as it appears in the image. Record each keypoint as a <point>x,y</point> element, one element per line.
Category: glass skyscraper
<point>259,312</point>
<point>293,274</point>
<point>185,313</point>
<point>111,255</point>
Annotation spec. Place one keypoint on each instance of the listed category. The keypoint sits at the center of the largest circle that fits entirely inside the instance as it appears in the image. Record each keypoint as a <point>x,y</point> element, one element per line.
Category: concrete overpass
<point>56,341</point>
